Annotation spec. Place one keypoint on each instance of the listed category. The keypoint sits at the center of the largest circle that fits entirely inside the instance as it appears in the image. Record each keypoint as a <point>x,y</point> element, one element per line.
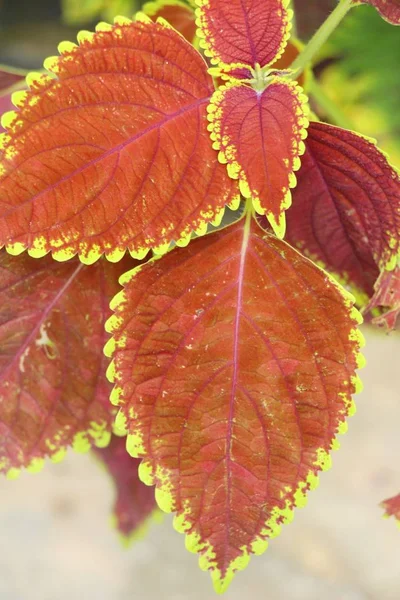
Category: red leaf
<point>114,153</point>
<point>234,362</point>
<point>389,9</point>
<point>178,14</point>
<point>53,392</point>
<point>346,206</point>
<point>243,32</point>
<point>259,136</point>
<point>5,105</point>
<point>135,501</point>
<point>392,507</point>
<point>9,78</point>
<point>386,299</point>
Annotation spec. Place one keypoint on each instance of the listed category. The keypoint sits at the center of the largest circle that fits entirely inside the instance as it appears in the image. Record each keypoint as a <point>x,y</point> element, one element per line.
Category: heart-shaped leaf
<point>259,136</point>
<point>53,390</point>
<point>243,32</point>
<point>134,503</point>
<point>114,153</point>
<point>234,364</point>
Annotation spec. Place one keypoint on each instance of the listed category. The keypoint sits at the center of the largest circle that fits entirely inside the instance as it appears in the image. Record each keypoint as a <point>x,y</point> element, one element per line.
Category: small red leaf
<point>392,507</point>
<point>9,78</point>
<point>389,9</point>
<point>5,106</point>
<point>53,390</point>
<point>243,32</point>
<point>114,153</point>
<point>259,136</point>
<point>386,299</point>
<point>135,501</point>
<point>234,361</point>
<point>346,206</point>
<point>178,14</point>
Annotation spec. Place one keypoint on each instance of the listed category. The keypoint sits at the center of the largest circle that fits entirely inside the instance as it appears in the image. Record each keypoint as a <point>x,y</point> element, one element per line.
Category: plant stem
<point>330,108</point>
<point>320,36</point>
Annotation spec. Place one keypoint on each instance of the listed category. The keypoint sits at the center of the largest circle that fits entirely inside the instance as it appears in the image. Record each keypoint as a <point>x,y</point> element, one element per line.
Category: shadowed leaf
<point>260,138</point>
<point>53,390</point>
<point>114,153</point>
<point>346,206</point>
<point>134,502</point>
<point>178,14</point>
<point>10,78</point>
<point>234,364</point>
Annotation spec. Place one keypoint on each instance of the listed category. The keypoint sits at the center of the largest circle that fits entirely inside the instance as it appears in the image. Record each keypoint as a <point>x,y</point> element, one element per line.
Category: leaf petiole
<point>321,35</point>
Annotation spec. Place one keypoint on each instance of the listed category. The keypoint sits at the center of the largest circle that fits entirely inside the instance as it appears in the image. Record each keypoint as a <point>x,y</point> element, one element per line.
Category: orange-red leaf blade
<point>234,364</point>
<point>243,32</point>
<point>134,501</point>
<point>114,153</point>
<point>53,389</point>
<point>259,136</point>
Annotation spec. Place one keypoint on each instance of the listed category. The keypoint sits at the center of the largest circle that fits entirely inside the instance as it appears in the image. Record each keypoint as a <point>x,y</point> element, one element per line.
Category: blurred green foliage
<point>85,11</point>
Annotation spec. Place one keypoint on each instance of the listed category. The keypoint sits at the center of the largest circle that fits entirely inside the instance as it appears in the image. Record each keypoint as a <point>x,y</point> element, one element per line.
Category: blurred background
<point>55,538</point>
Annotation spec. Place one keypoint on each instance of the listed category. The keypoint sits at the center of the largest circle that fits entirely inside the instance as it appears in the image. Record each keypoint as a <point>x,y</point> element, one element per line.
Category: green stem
<point>329,107</point>
<point>320,36</point>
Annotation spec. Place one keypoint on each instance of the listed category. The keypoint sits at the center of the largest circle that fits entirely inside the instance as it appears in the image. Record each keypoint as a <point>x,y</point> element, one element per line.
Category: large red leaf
<point>392,507</point>
<point>346,206</point>
<point>260,137</point>
<point>178,14</point>
<point>389,9</point>
<point>53,389</point>
<point>114,153</point>
<point>243,32</point>
<point>234,364</point>
<point>134,502</point>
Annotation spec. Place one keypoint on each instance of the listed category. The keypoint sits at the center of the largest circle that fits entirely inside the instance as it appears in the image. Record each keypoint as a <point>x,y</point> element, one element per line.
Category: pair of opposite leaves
<point>248,440</point>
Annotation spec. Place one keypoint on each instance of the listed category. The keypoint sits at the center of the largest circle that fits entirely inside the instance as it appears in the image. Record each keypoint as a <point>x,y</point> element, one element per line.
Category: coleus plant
<point>233,355</point>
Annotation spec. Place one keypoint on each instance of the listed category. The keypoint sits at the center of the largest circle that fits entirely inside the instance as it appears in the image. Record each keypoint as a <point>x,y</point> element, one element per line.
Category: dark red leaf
<point>389,9</point>
<point>53,390</point>
<point>234,364</point>
<point>243,32</point>
<point>9,78</point>
<point>134,502</point>
<point>346,206</point>
<point>259,136</point>
<point>114,153</point>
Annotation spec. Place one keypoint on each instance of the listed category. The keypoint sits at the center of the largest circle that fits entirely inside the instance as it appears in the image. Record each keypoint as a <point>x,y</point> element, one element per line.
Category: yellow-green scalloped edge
<point>88,255</point>
<point>206,44</point>
<point>387,516</point>
<point>234,168</point>
<point>97,435</point>
<point>156,516</point>
<point>163,492</point>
